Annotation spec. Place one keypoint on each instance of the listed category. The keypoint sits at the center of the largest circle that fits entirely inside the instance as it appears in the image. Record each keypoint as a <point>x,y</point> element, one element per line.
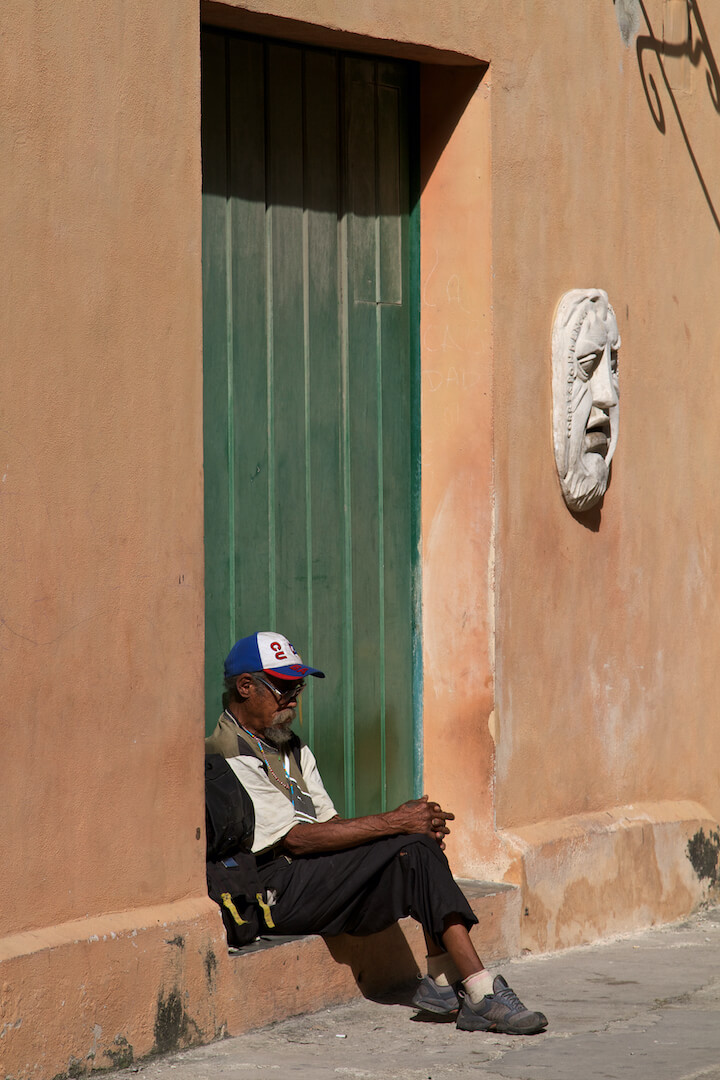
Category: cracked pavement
<point>642,1007</point>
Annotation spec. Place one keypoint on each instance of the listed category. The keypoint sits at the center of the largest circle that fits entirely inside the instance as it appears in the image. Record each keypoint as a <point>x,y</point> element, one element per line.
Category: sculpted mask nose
<point>603,389</point>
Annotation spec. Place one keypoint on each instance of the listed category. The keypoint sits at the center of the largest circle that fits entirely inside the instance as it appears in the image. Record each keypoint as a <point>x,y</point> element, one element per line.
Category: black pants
<point>366,889</point>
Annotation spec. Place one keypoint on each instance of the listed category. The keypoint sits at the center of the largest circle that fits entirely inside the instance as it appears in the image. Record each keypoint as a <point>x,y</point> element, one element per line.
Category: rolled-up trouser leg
<point>366,889</point>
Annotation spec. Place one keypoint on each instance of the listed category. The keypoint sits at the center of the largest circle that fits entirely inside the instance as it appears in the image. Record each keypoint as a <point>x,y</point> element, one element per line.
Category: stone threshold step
<point>278,977</point>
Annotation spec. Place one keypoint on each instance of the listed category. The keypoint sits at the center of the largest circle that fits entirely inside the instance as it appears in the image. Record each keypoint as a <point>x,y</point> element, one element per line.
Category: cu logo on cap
<point>278,650</point>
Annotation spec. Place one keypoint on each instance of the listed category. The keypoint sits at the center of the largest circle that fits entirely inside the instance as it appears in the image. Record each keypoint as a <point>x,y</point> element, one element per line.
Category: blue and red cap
<point>270,652</point>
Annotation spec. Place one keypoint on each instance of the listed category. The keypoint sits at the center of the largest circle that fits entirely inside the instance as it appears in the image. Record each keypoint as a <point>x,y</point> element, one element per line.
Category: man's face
<point>585,351</point>
<point>272,703</point>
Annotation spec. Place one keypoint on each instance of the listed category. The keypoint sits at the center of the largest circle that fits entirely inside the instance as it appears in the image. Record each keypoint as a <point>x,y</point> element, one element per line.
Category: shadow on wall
<point>445,93</point>
<point>696,47</point>
<point>382,964</point>
<point>590,519</point>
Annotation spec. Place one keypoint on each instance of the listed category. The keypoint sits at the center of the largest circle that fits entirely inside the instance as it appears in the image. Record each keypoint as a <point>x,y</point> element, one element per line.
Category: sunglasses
<point>283,696</point>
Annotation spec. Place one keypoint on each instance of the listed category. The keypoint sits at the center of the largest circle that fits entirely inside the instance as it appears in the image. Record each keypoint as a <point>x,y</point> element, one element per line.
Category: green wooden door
<point>310,410</point>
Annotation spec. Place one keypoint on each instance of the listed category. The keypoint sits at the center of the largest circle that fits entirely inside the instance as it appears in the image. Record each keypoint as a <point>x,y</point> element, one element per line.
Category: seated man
<point>328,875</point>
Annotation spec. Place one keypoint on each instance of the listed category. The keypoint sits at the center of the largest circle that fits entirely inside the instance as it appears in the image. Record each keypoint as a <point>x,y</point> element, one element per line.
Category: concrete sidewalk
<point>644,1007</point>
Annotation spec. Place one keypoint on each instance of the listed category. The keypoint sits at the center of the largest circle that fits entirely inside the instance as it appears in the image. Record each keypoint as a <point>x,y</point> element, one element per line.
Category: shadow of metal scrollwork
<point>696,47</point>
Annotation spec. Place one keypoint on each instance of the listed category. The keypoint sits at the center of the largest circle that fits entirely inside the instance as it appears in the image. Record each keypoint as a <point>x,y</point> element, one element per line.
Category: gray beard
<point>586,482</point>
<point>280,732</point>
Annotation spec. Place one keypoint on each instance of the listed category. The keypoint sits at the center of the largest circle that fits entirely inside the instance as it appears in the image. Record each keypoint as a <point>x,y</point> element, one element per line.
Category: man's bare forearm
<point>417,816</point>
<point>336,834</point>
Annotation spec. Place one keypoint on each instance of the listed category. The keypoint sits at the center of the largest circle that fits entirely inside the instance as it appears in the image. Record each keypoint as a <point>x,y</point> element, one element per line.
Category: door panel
<point>309,390</point>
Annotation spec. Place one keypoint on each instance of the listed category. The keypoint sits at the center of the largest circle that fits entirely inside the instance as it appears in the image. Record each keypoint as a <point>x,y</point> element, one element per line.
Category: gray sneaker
<point>431,997</point>
<point>501,1011</point>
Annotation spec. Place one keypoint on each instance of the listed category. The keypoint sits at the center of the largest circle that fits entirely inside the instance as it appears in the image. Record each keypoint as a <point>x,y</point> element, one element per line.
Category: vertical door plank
<point>287,371</point>
<point>393,188</point>
<point>397,546</point>
<point>361,195</point>
<point>324,704</point>
<point>215,361</point>
<point>249,390</point>
<point>363,433</point>
<point>389,197</point>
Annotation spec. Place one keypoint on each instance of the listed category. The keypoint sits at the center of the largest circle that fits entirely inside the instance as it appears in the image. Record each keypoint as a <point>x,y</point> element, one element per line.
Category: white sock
<point>442,969</point>
<point>478,985</point>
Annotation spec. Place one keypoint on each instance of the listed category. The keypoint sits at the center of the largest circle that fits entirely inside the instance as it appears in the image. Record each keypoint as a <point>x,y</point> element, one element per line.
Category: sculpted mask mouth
<point>597,432</point>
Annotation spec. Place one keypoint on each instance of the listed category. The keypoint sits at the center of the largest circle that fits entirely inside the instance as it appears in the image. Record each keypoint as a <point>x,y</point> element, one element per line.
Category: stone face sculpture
<point>585,343</point>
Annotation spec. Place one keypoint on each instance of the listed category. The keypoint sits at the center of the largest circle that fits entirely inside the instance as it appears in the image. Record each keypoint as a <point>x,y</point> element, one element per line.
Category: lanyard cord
<point>268,766</point>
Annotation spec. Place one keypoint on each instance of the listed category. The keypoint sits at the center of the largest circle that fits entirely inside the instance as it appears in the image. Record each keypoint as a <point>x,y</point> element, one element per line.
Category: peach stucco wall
<point>456,342</point>
<point>101,594</point>
<point>607,679</point>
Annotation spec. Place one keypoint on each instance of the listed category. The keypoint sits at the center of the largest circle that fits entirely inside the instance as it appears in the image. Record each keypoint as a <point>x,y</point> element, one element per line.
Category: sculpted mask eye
<point>590,344</point>
<point>585,343</point>
<point>587,364</point>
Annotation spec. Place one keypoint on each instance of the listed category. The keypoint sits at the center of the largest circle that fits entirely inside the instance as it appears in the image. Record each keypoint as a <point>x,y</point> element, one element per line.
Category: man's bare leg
<point>457,943</point>
<point>456,959</point>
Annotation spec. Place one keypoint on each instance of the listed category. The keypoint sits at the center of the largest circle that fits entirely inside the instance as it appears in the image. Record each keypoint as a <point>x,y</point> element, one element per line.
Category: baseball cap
<point>270,652</point>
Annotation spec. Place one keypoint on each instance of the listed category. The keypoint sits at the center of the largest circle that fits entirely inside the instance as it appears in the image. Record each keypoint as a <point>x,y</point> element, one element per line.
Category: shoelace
<point>508,997</point>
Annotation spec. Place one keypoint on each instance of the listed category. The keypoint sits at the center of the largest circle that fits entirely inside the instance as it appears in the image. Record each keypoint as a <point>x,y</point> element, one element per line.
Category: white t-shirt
<point>275,815</point>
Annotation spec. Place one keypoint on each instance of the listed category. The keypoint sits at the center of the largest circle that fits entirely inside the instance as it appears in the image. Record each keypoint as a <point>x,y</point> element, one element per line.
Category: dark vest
<point>232,876</point>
